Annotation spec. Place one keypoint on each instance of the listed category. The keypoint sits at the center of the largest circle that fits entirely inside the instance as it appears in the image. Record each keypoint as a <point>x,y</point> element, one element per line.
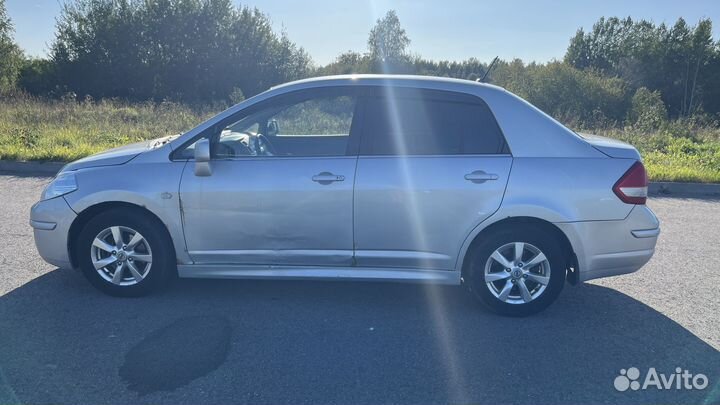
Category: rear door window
<point>426,122</point>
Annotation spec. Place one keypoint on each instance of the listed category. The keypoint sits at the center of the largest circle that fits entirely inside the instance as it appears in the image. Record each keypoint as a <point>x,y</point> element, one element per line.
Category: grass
<point>671,155</point>
<point>32,129</point>
<point>63,130</point>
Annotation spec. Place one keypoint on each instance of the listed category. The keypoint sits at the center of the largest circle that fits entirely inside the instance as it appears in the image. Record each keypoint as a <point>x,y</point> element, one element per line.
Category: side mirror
<point>202,158</point>
<point>272,128</point>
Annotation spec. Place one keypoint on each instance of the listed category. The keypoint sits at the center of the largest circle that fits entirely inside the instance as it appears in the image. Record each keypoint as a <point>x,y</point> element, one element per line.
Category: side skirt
<point>315,273</point>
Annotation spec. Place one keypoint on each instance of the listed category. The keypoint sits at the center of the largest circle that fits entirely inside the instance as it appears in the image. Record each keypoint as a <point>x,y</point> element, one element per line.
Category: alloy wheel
<point>517,273</point>
<point>121,255</point>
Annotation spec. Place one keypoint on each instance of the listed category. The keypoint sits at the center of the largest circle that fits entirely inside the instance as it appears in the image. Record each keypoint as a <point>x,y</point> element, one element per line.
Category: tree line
<point>621,72</point>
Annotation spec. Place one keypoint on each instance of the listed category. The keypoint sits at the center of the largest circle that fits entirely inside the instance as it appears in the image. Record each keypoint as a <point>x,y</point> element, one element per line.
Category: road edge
<point>29,168</point>
<point>668,188</point>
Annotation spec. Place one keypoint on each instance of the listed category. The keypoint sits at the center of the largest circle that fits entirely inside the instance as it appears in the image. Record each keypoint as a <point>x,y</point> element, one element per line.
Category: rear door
<point>432,166</point>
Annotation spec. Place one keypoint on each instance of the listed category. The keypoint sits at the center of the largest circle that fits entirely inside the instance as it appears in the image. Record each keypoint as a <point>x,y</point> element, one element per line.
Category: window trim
<point>377,92</point>
<point>295,96</point>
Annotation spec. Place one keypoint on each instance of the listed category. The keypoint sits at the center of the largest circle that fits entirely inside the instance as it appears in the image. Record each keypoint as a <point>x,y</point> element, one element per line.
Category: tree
<point>10,54</point>
<point>672,60</point>
<point>702,50</point>
<point>709,82</point>
<point>387,52</point>
<point>388,41</point>
<point>97,49</point>
<point>187,50</point>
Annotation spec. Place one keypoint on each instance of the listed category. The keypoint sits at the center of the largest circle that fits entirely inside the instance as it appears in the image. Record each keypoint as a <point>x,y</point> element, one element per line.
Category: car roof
<point>419,81</point>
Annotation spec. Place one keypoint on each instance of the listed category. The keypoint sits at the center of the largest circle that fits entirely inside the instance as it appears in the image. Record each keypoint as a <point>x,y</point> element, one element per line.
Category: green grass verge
<point>65,130</point>
<point>693,157</point>
<point>62,131</point>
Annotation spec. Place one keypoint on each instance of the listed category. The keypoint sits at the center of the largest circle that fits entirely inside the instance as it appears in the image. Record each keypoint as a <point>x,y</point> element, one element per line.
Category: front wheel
<point>517,271</point>
<point>125,253</point>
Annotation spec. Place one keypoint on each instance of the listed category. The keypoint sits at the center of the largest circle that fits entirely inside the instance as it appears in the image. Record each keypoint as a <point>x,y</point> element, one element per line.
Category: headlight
<point>62,184</point>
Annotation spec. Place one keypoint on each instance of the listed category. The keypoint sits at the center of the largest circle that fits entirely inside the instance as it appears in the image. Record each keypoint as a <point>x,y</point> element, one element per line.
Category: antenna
<point>488,70</point>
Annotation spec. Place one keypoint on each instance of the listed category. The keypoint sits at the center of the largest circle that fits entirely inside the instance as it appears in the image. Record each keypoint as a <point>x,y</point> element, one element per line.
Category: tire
<point>534,240</point>
<point>147,264</point>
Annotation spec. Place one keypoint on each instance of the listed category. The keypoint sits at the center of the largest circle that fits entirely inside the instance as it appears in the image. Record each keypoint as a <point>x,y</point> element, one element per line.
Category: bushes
<point>583,98</point>
<point>694,156</point>
<point>647,110</point>
<point>236,95</point>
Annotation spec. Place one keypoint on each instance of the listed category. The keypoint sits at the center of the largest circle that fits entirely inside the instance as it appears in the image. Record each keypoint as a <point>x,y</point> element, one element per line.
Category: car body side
<point>571,194</point>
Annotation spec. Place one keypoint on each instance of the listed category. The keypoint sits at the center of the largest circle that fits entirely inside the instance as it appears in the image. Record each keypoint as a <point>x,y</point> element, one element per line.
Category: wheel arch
<point>90,212</point>
<point>559,235</point>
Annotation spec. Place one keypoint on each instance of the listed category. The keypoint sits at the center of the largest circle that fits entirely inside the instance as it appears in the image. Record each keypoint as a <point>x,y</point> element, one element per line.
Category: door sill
<point>315,273</point>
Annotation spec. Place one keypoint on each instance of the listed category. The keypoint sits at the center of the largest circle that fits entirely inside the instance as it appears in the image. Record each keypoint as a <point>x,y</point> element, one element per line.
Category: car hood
<point>117,156</point>
<point>612,147</point>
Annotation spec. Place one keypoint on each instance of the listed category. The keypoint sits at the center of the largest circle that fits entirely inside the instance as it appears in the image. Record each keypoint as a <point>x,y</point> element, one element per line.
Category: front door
<point>281,187</point>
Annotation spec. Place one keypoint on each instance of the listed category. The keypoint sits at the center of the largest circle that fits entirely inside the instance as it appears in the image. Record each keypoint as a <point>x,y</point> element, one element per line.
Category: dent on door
<point>276,211</point>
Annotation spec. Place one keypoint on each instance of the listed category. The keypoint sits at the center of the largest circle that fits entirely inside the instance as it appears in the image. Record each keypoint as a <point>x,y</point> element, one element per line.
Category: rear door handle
<point>479,176</point>
<point>327,178</point>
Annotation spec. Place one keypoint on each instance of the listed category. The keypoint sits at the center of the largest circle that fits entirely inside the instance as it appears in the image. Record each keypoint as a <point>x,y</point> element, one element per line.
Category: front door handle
<point>327,178</point>
<point>479,176</point>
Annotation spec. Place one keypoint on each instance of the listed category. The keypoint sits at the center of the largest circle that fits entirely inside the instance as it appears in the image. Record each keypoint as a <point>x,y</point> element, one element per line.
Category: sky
<point>538,30</point>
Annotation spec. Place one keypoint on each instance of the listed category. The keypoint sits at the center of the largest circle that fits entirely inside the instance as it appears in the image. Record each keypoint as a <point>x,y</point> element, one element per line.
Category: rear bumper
<point>610,248</point>
<point>51,220</point>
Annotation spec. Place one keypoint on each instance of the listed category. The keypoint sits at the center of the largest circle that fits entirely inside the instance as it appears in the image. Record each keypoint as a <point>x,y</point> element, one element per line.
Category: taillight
<point>632,188</point>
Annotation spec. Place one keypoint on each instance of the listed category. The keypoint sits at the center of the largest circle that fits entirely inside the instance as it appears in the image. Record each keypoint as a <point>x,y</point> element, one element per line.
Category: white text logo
<point>679,380</point>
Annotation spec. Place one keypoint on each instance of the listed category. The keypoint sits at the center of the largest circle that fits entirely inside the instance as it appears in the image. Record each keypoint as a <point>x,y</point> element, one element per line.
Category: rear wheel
<point>125,253</point>
<point>517,271</point>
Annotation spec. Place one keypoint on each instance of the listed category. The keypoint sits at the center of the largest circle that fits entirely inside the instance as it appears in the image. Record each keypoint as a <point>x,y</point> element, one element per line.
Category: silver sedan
<point>400,178</point>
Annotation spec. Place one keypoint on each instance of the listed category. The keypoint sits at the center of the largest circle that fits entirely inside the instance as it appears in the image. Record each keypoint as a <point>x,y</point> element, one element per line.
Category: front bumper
<point>51,220</point>
<point>610,248</point>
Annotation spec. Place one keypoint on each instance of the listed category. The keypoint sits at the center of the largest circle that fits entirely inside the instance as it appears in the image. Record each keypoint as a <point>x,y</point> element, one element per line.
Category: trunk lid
<point>611,147</point>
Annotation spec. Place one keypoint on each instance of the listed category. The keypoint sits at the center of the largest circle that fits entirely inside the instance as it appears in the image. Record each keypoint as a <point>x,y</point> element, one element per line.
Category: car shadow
<point>282,342</point>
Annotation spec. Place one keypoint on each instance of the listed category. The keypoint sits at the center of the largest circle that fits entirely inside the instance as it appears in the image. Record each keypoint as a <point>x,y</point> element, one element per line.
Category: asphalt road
<point>280,342</point>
